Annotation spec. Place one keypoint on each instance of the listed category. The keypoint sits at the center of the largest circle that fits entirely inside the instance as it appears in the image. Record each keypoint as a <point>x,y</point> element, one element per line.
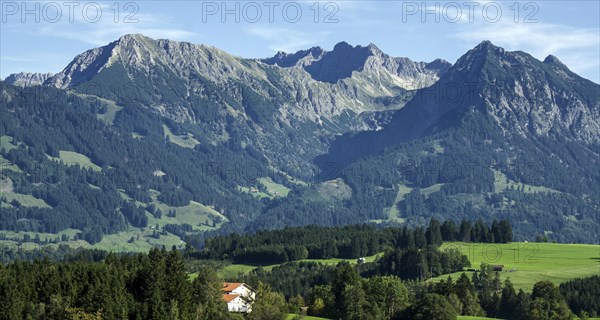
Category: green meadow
<point>334,261</point>
<point>6,143</point>
<point>524,263</point>
<point>293,316</point>
<point>273,188</point>
<point>233,270</point>
<point>70,158</point>
<point>185,141</point>
<point>25,200</point>
<point>527,263</point>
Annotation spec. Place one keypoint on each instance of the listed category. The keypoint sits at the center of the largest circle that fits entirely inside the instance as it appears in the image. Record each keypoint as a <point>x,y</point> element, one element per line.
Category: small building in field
<point>498,267</point>
<point>361,260</point>
<point>239,296</point>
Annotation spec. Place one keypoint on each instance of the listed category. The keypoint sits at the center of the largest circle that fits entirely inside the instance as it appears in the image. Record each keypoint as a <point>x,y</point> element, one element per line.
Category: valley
<point>338,160</point>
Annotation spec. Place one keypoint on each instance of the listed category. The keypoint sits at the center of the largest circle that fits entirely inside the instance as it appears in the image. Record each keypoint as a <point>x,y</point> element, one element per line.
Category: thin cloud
<point>107,29</point>
<point>543,38</point>
<point>576,47</point>
<point>15,59</point>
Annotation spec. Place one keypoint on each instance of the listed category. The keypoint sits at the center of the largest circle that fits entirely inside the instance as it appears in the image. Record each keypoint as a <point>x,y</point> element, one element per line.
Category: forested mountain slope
<point>178,139</point>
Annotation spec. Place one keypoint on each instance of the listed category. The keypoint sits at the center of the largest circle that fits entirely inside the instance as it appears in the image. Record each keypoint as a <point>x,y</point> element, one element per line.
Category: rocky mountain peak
<point>439,64</point>
<point>487,47</point>
<point>479,55</point>
<point>553,61</point>
<point>528,97</point>
<point>339,63</point>
<point>27,79</point>
<point>366,63</point>
<point>299,58</point>
<point>132,37</point>
<point>374,49</point>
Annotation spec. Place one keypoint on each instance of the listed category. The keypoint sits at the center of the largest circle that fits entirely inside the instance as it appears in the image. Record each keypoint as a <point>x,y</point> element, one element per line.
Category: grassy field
<point>258,194</point>
<point>71,158</point>
<point>7,164</point>
<point>291,316</point>
<point>6,143</point>
<point>392,212</point>
<point>484,318</point>
<point>111,111</point>
<point>120,242</point>
<point>532,262</point>
<point>431,189</point>
<point>186,141</point>
<point>232,270</point>
<point>26,200</point>
<point>142,241</point>
<point>273,188</point>
<point>501,182</point>
<point>334,261</point>
<point>111,107</point>
<point>199,216</point>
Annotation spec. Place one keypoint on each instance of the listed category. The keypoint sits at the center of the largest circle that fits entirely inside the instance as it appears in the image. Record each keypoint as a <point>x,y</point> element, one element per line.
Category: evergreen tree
<point>434,233</point>
<point>268,305</point>
<point>547,303</point>
<point>449,231</point>
<point>431,306</point>
<point>508,301</point>
<point>464,233</point>
<point>354,303</point>
<point>206,289</point>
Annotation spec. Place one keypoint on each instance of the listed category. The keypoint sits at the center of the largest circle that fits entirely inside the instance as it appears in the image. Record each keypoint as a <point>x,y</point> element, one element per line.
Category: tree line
<point>314,242</point>
<point>135,286</point>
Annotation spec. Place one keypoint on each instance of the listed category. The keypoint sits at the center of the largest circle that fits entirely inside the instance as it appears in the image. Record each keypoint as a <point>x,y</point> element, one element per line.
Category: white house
<point>239,296</point>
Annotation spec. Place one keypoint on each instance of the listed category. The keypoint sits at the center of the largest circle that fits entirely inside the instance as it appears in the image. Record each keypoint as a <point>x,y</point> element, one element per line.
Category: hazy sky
<point>44,36</point>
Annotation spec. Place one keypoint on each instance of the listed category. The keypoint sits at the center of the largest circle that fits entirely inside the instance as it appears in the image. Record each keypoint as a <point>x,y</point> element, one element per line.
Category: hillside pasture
<point>527,263</point>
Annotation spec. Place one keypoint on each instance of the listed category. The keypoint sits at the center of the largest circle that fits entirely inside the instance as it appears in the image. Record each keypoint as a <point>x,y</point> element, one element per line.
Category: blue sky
<point>44,36</point>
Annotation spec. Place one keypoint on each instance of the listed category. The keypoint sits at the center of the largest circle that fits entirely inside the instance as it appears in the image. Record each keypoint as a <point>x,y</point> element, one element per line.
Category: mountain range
<point>176,140</point>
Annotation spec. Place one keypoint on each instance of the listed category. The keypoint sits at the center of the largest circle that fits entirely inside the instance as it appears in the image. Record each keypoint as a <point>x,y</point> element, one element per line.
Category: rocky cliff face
<point>368,75</point>
<point>520,120</point>
<point>526,96</point>
<point>367,63</point>
<point>521,96</point>
<point>270,100</point>
<point>27,79</point>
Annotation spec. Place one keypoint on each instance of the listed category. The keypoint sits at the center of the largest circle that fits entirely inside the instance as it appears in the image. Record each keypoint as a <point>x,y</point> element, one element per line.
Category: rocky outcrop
<point>27,79</point>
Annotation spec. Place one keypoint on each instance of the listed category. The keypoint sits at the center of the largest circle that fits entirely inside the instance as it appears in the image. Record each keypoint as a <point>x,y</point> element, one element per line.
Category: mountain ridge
<point>324,65</point>
<point>484,74</point>
<point>525,123</point>
<point>266,102</point>
<point>27,79</point>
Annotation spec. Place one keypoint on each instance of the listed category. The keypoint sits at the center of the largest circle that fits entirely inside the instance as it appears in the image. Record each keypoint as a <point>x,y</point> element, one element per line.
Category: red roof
<point>229,297</point>
<point>230,286</point>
